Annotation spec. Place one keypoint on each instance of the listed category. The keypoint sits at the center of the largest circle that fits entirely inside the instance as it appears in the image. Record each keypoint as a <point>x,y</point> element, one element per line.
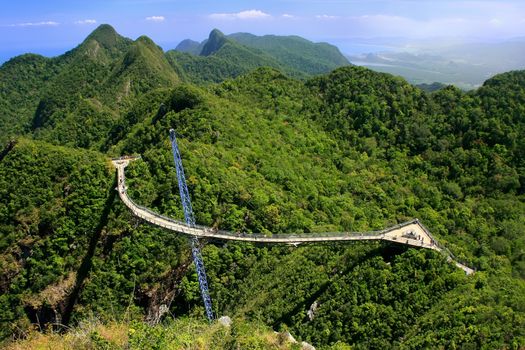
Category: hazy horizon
<point>348,46</point>
<point>53,28</point>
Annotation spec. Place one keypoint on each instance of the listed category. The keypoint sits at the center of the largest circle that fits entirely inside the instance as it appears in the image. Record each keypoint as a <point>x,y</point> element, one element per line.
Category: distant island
<point>466,65</point>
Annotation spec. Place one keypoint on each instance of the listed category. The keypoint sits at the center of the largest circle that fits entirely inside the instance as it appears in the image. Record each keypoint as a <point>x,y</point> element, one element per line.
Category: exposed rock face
<point>306,346</point>
<point>311,311</point>
<point>159,299</point>
<point>226,321</point>
<point>286,337</point>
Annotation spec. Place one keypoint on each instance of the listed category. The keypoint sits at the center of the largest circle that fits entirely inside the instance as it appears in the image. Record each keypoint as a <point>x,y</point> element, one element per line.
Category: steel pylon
<point>190,220</point>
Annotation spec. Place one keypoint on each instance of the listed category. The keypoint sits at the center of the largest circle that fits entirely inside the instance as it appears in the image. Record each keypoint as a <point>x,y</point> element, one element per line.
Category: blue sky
<point>50,27</point>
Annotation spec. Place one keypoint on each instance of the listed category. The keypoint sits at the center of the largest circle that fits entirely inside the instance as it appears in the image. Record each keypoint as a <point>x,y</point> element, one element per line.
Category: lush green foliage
<point>77,99</point>
<point>230,61</point>
<point>220,57</point>
<point>189,46</point>
<point>51,203</point>
<point>296,52</point>
<point>22,80</point>
<point>352,150</point>
<point>431,87</point>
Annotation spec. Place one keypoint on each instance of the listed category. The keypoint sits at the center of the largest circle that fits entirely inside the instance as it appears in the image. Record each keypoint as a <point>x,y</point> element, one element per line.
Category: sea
<point>359,46</point>
<point>7,54</point>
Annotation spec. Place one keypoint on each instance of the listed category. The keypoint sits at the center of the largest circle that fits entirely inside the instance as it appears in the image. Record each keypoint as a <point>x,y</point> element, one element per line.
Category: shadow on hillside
<point>8,148</point>
<point>87,261</point>
<point>387,251</point>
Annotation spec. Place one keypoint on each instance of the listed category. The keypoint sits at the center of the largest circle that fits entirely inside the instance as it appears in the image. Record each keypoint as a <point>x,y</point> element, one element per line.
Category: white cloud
<point>248,14</point>
<point>327,17</point>
<point>35,24</point>
<point>87,21</point>
<point>252,14</point>
<point>155,18</point>
<point>382,18</point>
<point>468,26</point>
<point>286,15</point>
<point>495,22</point>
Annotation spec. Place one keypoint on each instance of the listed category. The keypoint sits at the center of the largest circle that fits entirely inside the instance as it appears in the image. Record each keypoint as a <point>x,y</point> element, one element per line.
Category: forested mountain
<point>295,51</point>
<point>222,58</point>
<point>352,150</point>
<point>89,87</point>
<point>290,53</point>
<point>189,46</point>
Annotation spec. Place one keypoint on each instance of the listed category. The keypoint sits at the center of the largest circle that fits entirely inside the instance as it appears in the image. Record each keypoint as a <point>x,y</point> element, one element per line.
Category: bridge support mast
<point>190,220</point>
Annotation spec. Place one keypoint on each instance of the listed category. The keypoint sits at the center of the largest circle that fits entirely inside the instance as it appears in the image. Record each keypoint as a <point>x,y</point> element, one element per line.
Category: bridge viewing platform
<point>411,233</point>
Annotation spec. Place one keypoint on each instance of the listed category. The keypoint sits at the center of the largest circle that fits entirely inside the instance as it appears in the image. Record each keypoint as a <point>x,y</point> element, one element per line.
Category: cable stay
<point>190,221</point>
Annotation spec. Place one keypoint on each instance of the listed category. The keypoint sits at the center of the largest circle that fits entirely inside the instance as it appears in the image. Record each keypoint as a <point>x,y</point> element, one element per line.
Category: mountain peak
<point>103,44</point>
<point>146,40</point>
<point>105,35</point>
<point>215,41</point>
<point>189,46</point>
<point>216,33</point>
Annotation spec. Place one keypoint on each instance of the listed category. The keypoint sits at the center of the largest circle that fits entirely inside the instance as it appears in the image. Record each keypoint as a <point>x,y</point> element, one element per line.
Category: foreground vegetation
<point>172,334</point>
<point>352,150</point>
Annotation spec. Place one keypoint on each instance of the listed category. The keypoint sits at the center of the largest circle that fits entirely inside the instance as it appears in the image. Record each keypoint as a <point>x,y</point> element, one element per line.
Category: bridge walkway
<point>411,233</point>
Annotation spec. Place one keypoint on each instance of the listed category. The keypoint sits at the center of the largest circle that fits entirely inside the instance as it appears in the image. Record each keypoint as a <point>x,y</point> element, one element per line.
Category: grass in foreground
<point>182,333</point>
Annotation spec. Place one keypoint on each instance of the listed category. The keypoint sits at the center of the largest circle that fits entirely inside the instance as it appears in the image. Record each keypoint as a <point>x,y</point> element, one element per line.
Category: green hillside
<point>222,59</point>
<point>53,98</point>
<point>352,150</point>
<point>295,51</point>
<point>22,79</point>
<point>189,46</point>
<point>292,54</point>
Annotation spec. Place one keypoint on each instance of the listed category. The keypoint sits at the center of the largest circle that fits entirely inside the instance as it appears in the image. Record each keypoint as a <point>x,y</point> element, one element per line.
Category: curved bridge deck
<point>411,233</point>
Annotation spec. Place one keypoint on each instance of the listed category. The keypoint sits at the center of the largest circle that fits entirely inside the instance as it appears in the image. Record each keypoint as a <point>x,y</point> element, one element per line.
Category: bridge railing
<point>211,232</point>
<point>442,247</point>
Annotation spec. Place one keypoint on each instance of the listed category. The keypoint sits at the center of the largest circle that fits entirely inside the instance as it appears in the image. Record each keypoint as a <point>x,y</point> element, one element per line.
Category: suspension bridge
<point>412,233</point>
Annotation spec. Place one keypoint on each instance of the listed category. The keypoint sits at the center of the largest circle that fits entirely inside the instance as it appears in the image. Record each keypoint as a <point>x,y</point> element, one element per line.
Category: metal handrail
<point>376,233</point>
<point>204,231</point>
